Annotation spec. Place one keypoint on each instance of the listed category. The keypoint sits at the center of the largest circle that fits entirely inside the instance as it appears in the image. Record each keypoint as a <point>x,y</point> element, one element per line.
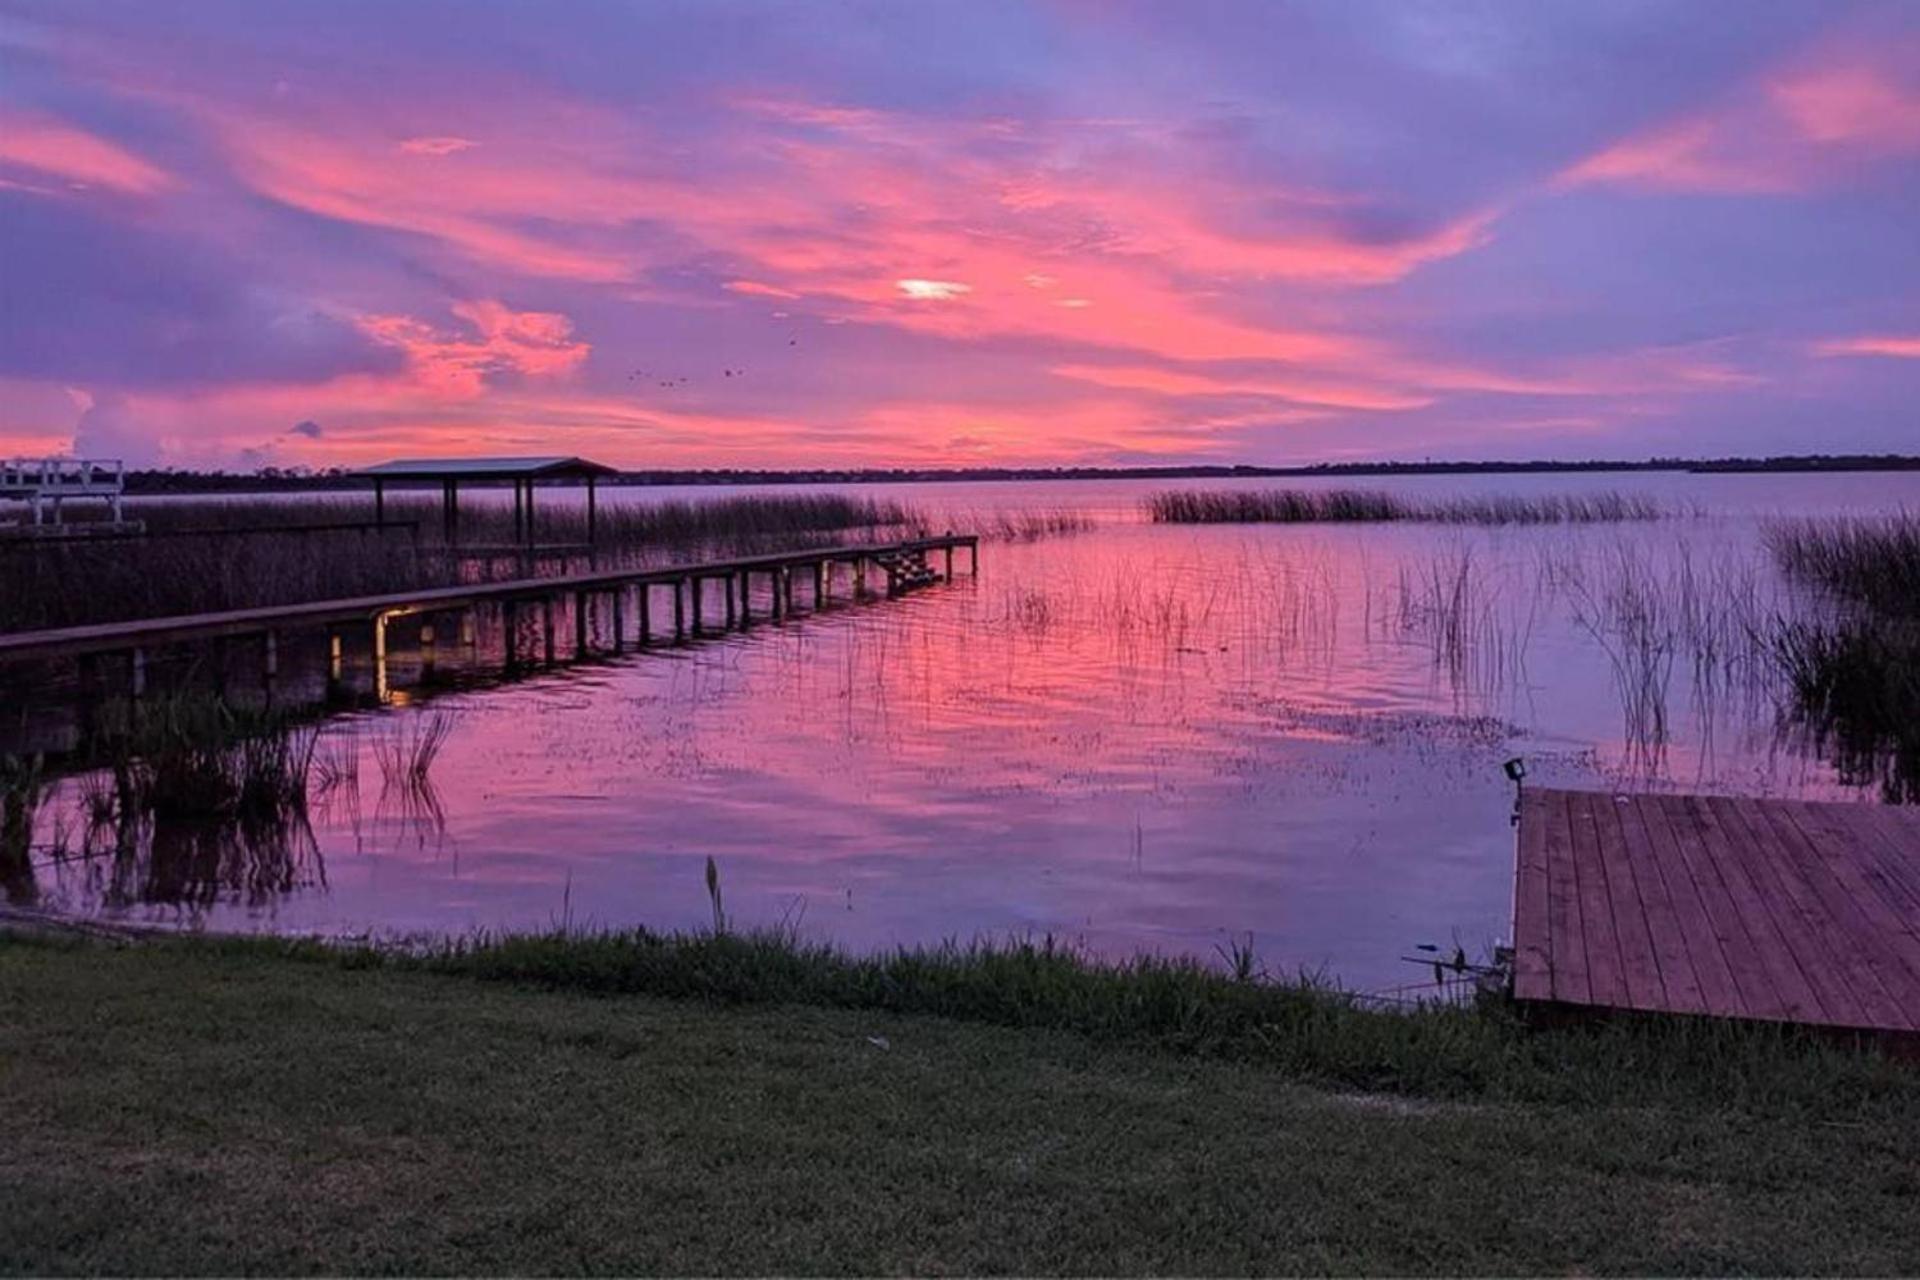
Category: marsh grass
<point>1856,696</point>
<point>1870,561</point>
<point>1853,668</point>
<point>192,756</point>
<point>408,746</point>
<point>1309,506</point>
<point>1024,524</point>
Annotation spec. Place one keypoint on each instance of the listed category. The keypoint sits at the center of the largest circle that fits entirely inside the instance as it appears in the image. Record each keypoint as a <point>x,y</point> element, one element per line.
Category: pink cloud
<point>534,344</point>
<point>1899,346</point>
<point>444,145</point>
<point>1788,133</point>
<point>1856,105</point>
<point>60,150</point>
<point>1177,383</point>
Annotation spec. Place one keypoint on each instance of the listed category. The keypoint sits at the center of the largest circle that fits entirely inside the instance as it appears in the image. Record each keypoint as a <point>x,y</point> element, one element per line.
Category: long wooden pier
<point>904,566</point>
<point>1720,906</point>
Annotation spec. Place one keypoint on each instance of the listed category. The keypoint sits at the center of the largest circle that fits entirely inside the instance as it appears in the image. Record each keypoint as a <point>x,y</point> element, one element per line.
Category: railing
<point>41,482</point>
<point>70,477</point>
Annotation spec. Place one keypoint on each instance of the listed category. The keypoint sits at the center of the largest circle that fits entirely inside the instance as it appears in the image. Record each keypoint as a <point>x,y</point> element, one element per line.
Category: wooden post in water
<point>819,584</point>
<point>646,614</point>
<point>746,599</point>
<point>726,584</point>
<point>380,687</point>
<point>773,592</point>
<point>949,561</point>
<point>786,587</point>
<point>679,612</point>
<point>859,577</point>
<point>270,657</point>
<point>694,584</point>
<point>973,558</point>
<point>617,601</point>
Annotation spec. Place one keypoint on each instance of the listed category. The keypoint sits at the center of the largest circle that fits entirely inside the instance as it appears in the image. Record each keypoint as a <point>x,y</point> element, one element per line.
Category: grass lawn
<point>189,1108</point>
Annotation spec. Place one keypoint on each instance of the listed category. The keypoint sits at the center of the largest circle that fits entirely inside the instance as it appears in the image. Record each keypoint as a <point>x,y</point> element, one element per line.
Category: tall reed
<point>1306,506</point>
<point>1873,561</point>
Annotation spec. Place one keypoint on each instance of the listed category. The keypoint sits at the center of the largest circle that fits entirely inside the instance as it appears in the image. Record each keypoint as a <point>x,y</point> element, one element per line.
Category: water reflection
<point>1134,737</point>
<point>1856,699</point>
<point>191,804</point>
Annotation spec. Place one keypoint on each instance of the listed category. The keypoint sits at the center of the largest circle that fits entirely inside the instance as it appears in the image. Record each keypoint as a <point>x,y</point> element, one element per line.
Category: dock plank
<point>1666,937</point>
<point>1848,989</point>
<point>1700,915</point>
<point>1770,951</point>
<point>1567,942</point>
<point>1640,965</point>
<point>1532,957</point>
<point>1875,938</point>
<point>1605,973</point>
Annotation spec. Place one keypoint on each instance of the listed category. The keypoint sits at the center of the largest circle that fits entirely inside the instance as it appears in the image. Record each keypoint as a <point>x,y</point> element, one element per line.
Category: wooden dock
<point>1721,907</point>
<point>622,592</point>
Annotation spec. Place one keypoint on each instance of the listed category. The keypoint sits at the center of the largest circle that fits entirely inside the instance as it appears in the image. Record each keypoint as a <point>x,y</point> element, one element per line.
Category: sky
<point>927,234</point>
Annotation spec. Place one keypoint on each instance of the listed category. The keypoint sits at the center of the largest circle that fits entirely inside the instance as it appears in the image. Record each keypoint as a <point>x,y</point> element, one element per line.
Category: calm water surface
<point>1135,737</point>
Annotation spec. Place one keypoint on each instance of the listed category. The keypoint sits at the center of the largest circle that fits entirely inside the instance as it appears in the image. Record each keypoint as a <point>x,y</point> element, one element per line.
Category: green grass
<point>194,1107</point>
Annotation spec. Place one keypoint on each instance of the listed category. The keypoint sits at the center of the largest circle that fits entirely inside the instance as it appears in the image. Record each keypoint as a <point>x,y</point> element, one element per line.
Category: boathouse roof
<point>542,468</point>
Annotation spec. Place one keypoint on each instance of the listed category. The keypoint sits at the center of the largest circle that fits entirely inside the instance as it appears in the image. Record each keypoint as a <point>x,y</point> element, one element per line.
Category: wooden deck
<point>1718,906</point>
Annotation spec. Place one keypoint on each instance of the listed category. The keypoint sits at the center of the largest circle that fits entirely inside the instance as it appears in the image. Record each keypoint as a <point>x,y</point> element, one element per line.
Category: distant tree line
<point>280,479</point>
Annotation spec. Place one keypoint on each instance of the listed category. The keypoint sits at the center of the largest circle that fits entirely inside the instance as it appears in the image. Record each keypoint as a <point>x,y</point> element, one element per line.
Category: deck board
<point>1719,906</point>
<point>1604,970</point>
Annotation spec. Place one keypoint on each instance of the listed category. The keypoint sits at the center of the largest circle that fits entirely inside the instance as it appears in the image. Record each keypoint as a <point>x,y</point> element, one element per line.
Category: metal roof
<point>557,468</point>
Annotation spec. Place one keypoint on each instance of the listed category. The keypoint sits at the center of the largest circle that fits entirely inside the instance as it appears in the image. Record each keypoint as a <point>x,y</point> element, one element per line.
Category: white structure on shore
<point>44,484</point>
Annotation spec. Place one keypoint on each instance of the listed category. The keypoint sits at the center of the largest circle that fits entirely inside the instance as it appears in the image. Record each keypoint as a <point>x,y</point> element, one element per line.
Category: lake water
<point>1135,737</point>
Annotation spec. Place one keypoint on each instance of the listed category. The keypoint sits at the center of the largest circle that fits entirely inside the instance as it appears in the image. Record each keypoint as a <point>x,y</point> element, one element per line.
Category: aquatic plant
<point>23,787</point>
<point>1871,561</point>
<point>1856,696</point>
<point>1307,506</point>
<point>408,747</point>
<point>1024,524</point>
<point>195,756</point>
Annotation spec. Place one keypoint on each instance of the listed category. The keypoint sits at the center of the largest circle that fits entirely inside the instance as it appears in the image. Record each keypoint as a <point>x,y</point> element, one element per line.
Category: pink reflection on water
<point>1137,738</point>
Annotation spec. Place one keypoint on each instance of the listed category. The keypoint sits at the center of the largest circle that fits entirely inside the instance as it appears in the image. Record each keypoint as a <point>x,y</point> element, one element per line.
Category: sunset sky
<point>928,234</point>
